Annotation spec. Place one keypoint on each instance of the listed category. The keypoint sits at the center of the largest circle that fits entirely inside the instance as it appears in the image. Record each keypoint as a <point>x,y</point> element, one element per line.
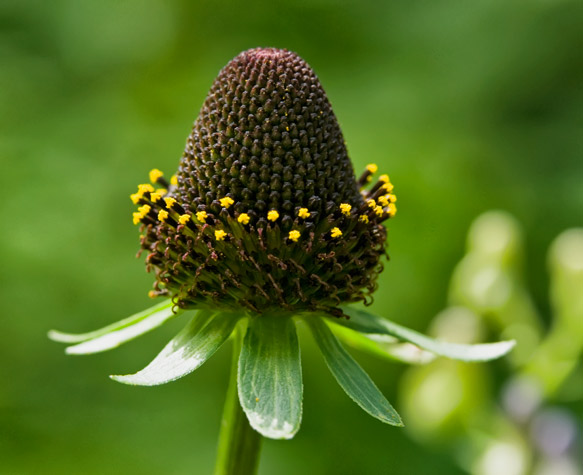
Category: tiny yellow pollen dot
<point>174,180</point>
<point>145,188</point>
<point>243,218</point>
<point>256,399</point>
<point>384,200</point>
<point>220,235</point>
<point>162,215</point>
<point>371,203</point>
<point>335,233</point>
<point>392,198</point>
<point>154,197</point>
<point>379,211</point>
<point>155,174</point>
<point>226,202</point>
<point>392,210</point>
<point>384,178</point>
<point>135,197</point>
<point>363,218</point>
<point>152,294</point>
<point>372,167</point>
<point>201,216</point>
<point>272,215</point>
<point>388,187</point>
<point>294,235</point>
<point>184,218</point>
<point>169,202</point>
<point>144,210</point>
<point>287,128</point>
<point>137,217</point>
<point>345,208</point>
<point>304,213</point>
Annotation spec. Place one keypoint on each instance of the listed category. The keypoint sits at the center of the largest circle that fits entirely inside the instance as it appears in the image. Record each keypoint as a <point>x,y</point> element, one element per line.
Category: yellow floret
<point>392,198</point>
<point>155,196</point>
<point>384,178</point>
<point>202,216</point>
<point>371,203</point>
<point>304,213</point>
<point>226,202</point>
<point>162,215</point>
<point>135,197</point>
<point>379,211</point>
<point>335,233</point>
<point>220,235</point>
<point>137,217</point>
<point>184,218</point>
<point>144,210</point>
<point>372,167</point>
<point>243,218</point>
<point>388,187</point>
<point>384,200</point>
<point>272,215</point>
<point>155,174</point>
<point>174,180</point>
<point>152,294</point>
<point>363,218</point>
<point>144,188</point>
<point>169,202</point>
<point>294,235</point>
<point>392,210</point>
<point>345,208</point>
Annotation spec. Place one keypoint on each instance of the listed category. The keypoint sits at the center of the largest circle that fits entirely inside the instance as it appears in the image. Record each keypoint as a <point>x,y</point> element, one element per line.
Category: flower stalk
<point>239,445</point>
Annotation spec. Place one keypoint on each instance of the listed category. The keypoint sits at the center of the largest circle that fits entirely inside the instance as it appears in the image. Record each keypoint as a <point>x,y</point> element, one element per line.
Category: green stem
<point>239,444</point>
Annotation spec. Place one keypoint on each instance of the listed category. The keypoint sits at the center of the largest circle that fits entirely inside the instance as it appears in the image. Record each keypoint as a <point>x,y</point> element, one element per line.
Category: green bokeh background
<point>468,106</point>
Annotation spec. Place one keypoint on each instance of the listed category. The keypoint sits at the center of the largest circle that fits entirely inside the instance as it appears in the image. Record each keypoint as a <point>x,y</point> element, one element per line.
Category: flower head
<point>266,223</point>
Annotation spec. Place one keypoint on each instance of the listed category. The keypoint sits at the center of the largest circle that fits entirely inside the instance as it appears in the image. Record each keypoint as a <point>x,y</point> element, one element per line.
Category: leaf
<point>115,338</point>
<point>351,377</point>
<point>270,376</point>
<point>61,337</point>
<point>188,350</point>
<point>383,346</point>
<point>368,323</point>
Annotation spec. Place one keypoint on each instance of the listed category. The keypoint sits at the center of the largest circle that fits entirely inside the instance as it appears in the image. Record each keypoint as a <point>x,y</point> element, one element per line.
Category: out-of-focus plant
<point>520,428</point>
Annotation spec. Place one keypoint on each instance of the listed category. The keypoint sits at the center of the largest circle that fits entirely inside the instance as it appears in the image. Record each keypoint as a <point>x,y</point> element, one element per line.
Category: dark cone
<point>265,212</point>
<point>267,137</point>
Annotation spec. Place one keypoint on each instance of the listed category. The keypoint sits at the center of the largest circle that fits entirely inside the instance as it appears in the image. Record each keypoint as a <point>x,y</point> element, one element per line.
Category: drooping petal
<point>366,322</point>
<point>351,377</point>
<point>270,376</point>
<point>62,337</point>
<point>383,346</point>
<point>188,350</point>
<point>115,338</point>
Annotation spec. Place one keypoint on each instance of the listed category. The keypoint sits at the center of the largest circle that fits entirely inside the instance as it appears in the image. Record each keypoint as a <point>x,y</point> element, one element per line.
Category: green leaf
<point>270,376</point>
<point>383,346</point>
<point>368,323</point>
<point>61,337</point>
<point>188,350</point>
<point>351,377</point>
<point>115,338</point>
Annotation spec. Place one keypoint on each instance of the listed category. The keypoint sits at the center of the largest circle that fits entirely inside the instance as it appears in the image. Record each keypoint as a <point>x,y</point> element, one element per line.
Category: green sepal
<point>368,323</point>
<point>270,376</point>
<point>350,376</point>
<point>188,350</point>
<point>115,338</point>
<point>383,346</point>
<point>62,337</point>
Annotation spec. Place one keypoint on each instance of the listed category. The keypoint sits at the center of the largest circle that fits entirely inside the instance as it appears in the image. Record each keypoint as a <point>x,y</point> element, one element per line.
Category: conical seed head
<point>267,137</point>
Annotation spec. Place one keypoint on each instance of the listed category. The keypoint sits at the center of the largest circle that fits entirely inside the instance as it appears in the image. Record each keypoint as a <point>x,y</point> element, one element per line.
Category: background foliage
<point>467,105</point>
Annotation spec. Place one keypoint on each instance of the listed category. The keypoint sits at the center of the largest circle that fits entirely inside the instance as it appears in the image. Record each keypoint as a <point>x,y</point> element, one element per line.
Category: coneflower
<point>265,224</point>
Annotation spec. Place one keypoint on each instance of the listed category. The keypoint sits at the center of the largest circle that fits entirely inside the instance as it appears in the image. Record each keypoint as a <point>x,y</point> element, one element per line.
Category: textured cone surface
<point>265,212</point>
<point>267,137</point>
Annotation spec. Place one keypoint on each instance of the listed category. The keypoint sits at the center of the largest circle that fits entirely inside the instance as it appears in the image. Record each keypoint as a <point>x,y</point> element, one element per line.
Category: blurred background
<point>469,106</point>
